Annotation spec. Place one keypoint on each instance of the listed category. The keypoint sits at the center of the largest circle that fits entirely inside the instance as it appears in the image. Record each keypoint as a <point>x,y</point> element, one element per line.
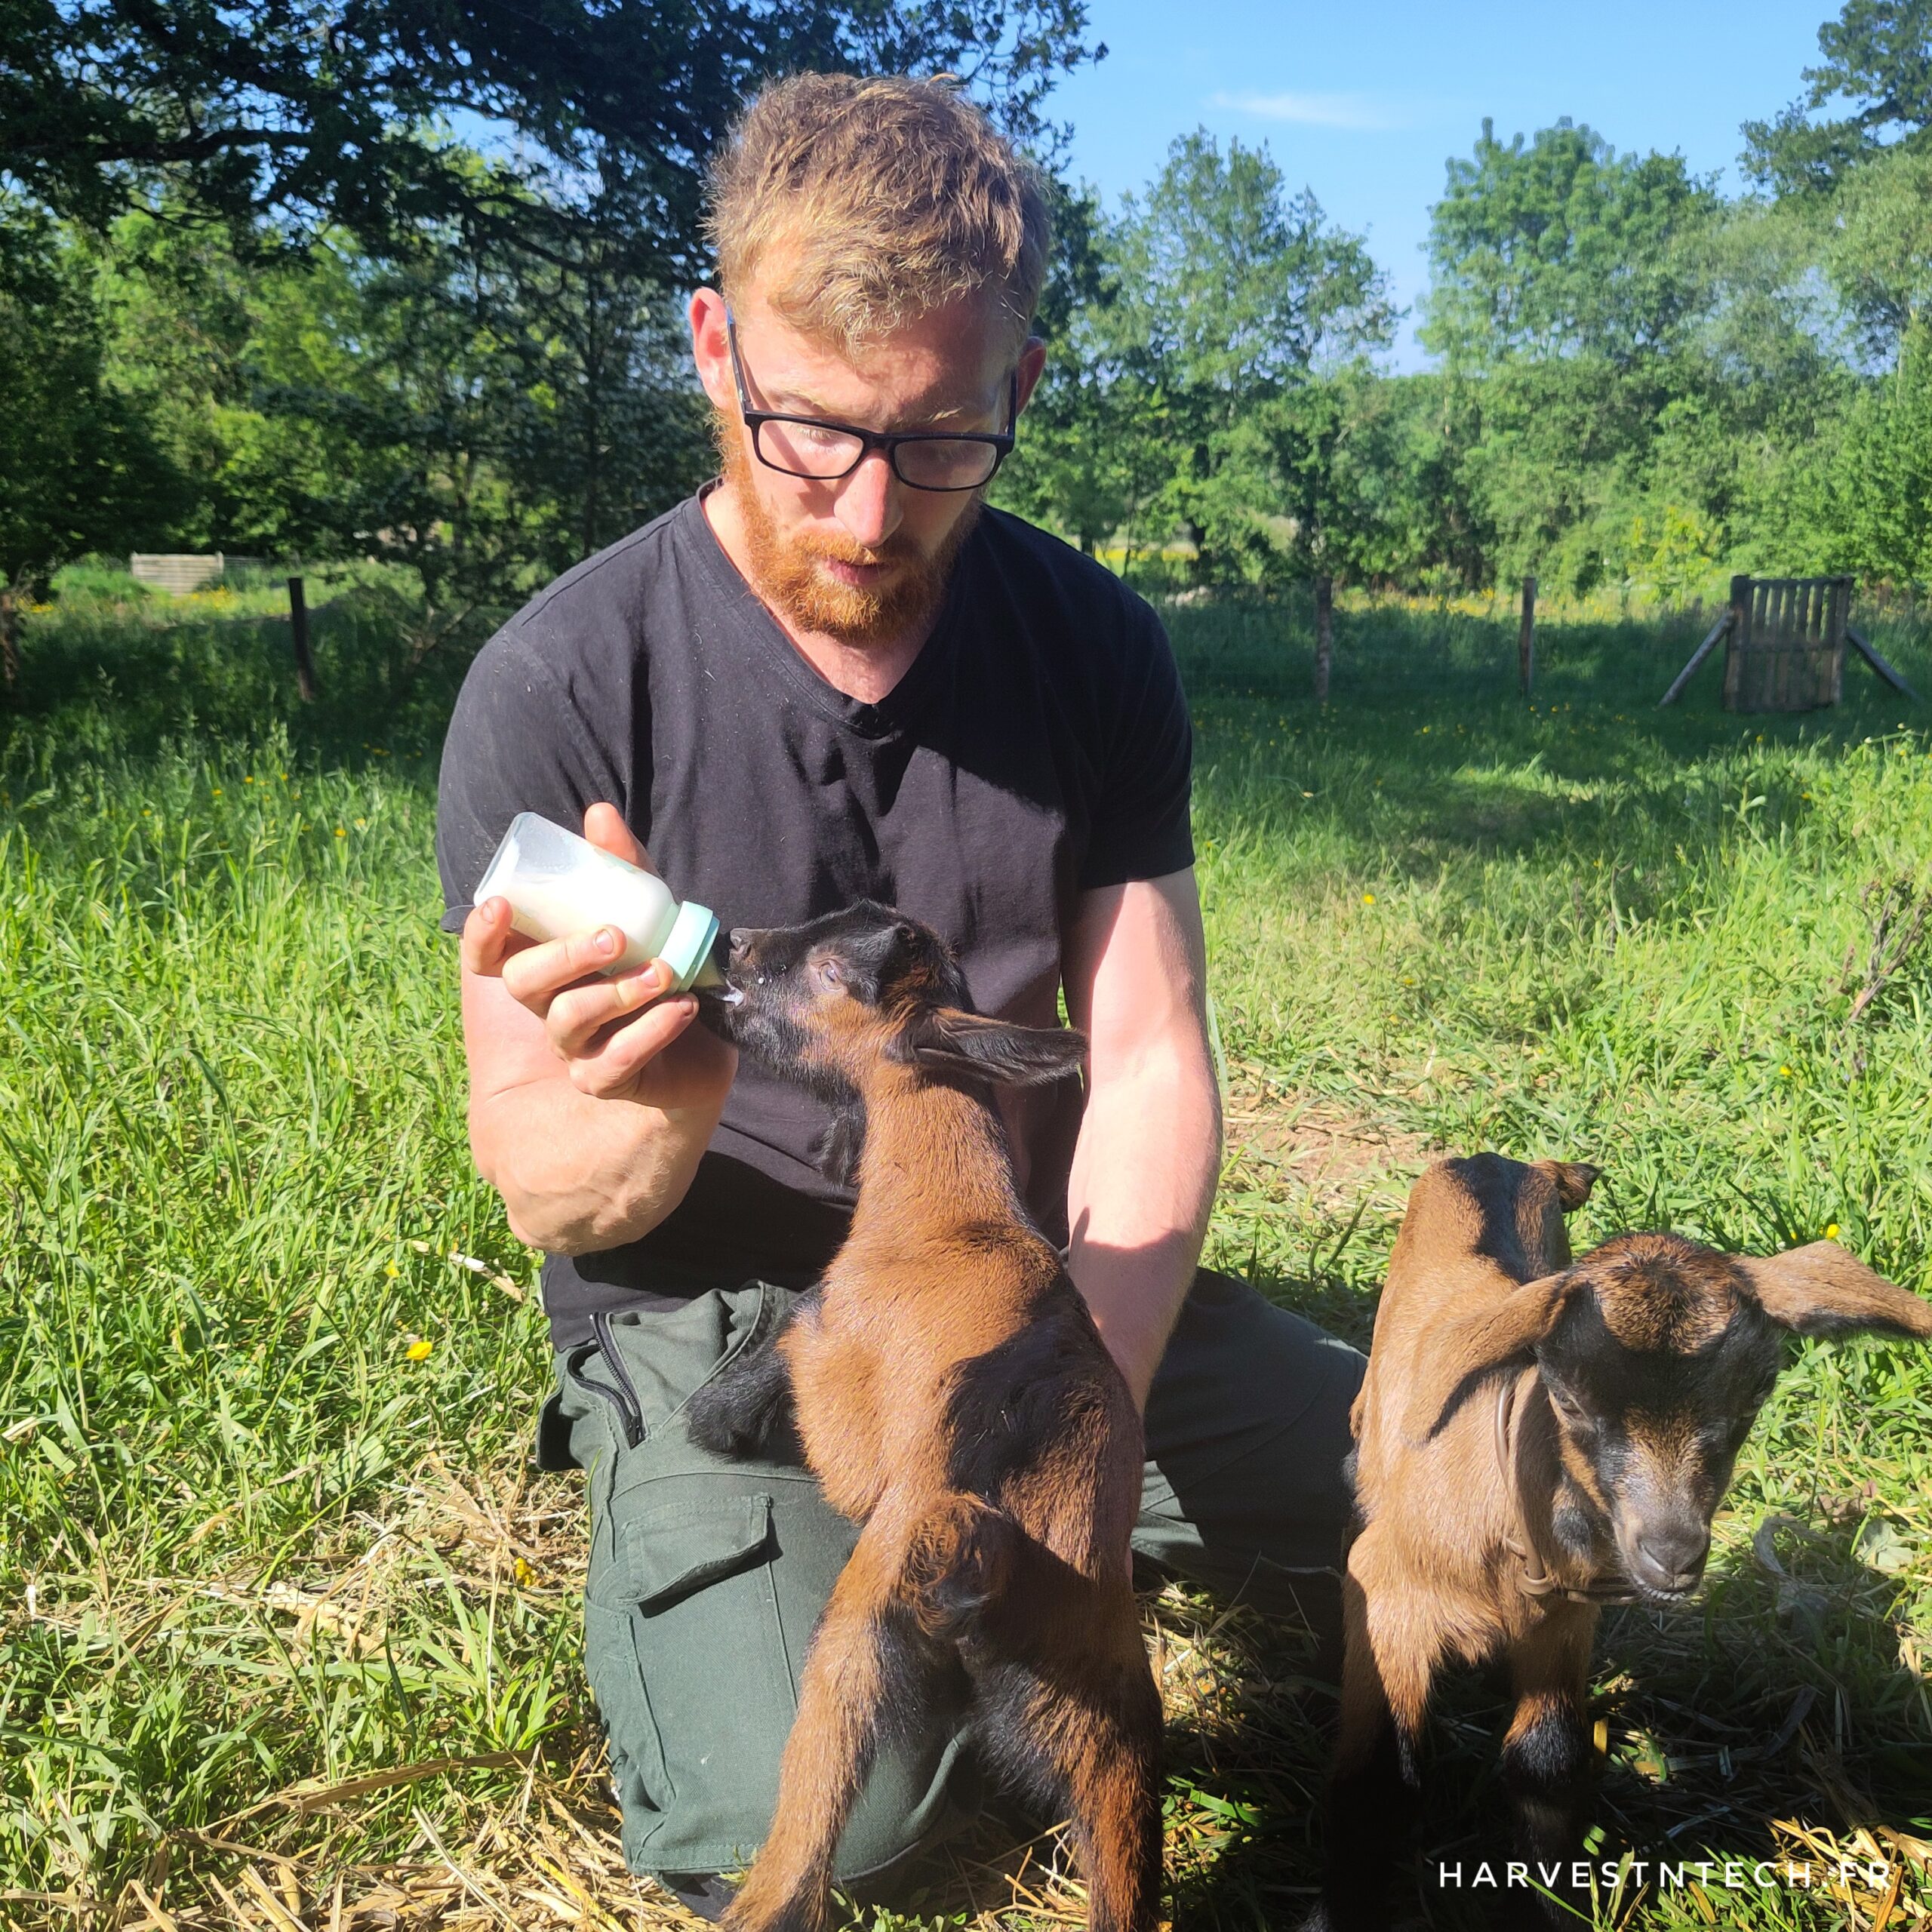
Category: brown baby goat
<point>951,1392</point>
<point>1534,1437</point>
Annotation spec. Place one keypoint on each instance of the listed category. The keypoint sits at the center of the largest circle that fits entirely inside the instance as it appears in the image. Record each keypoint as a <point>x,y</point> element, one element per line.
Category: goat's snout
<point>1669,1557</point>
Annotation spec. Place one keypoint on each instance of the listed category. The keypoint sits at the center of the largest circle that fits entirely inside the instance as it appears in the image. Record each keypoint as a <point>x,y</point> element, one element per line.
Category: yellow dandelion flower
<point>1368,899</point>
<point>1831,1231</point>
<point>523,1572</point>
<point>1785,1071</point>
<point>391,1270</point>
<point>419,1350</point>
<point>339,833</point>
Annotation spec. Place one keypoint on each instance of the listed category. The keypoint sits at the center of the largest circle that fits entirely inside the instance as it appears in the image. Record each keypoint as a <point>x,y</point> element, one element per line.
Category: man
<point>836,674</point>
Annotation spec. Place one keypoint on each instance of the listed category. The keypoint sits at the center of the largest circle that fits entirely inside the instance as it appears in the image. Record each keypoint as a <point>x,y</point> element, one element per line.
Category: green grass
<point>246,1541</point>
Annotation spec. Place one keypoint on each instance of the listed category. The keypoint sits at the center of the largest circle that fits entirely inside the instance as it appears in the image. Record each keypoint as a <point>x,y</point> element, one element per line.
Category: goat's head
<point>1657,1354</point>
<point>832,1002</point>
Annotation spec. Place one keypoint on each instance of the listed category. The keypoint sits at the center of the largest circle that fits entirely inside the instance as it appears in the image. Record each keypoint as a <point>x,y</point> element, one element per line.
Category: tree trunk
<point>1325,634</point>
<point>298,626</point>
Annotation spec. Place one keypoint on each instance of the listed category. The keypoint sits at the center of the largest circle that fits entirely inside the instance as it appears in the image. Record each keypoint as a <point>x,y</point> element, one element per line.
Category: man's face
<point>863,558</point>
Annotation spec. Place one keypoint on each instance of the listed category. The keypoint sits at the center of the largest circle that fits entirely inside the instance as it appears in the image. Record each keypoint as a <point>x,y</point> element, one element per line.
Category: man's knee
<point>1247,1429</point>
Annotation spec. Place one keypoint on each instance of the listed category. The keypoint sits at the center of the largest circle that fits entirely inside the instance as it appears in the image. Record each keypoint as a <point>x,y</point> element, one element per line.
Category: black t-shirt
<point>1038,747</point>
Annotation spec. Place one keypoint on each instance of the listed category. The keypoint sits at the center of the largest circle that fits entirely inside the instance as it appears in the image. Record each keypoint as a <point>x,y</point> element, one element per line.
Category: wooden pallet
<point>1785,645</point>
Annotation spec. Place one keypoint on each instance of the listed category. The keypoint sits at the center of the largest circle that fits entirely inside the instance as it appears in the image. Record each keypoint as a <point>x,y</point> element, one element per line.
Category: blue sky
<point>1364,103</point>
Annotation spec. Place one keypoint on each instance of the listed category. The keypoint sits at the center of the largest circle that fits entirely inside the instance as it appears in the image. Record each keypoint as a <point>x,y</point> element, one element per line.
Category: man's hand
<point>591,1100</point>
<point>611,1050</point>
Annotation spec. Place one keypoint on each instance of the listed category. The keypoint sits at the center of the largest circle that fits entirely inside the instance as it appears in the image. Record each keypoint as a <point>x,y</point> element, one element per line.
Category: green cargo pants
<point>706,1576</point>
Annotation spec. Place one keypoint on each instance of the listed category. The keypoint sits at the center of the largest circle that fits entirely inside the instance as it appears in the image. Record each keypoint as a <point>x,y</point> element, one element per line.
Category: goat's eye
<point>829,974</point>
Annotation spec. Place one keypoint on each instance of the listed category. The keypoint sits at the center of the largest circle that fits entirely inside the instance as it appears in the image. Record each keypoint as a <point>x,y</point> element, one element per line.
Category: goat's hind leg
<point>1067,1710</point>
<point>866,1657</point>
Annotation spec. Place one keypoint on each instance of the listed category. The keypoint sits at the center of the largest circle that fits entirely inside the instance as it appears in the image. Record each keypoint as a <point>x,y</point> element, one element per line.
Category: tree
<point>483,418</point>
<point>285,119</point>
<point>1093,453</point>
<point>1232,291</point>
<point>1866,494</point>
<point>78,468</point>
<point>1877,60</point>
<point>1571,290</point>
<point>1562,247</point>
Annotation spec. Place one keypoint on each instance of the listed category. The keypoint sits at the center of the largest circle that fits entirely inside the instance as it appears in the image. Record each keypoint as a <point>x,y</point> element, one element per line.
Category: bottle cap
<point>688,945</point>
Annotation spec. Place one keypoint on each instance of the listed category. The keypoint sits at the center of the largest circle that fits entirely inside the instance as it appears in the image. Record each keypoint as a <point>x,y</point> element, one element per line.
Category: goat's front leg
<point>1392,1645</point>
<point>866,1657</point>
<point>747,1410</point>
<point>1546,1761</point>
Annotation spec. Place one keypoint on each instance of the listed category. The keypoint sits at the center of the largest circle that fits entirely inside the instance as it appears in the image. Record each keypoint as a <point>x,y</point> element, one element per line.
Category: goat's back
<point>1474,1228</point>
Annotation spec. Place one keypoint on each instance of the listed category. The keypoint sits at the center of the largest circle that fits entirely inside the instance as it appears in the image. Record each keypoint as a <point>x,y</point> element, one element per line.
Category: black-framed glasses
<point>921,459</point>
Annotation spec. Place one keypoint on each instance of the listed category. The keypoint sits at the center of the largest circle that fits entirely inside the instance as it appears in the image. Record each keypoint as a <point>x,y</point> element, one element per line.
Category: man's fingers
<point>534,978</point>
<point>604,826</point>
<point>577,1015</point>
<point>489,939</point>
<point>613,1068</point>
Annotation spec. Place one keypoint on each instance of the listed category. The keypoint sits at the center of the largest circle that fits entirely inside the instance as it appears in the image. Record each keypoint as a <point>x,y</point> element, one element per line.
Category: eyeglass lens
<point>941,462</point>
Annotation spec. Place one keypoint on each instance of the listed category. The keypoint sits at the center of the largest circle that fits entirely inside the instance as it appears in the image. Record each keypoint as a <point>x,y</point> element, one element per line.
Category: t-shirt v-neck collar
<point>893,712</point>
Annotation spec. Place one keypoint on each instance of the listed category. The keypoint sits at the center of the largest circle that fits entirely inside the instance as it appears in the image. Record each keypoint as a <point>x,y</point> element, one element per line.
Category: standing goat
<point>951,1392</point>
<point>1533,1439</point>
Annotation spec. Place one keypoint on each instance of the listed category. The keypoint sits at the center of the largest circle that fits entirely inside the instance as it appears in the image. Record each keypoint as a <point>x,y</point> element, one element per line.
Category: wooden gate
<point>1784,643</point>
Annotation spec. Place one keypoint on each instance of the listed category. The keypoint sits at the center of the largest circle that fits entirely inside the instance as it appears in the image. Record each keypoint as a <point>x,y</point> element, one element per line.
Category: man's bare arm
<point>588,1108</point>
<point>1148,1155</point>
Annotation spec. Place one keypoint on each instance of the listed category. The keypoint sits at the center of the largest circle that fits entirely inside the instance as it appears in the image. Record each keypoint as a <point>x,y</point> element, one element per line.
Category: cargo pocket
<point>692,1676</point>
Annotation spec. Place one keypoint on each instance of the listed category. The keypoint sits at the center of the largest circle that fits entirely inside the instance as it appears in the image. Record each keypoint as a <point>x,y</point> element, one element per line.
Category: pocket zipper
<point>624,1393</point>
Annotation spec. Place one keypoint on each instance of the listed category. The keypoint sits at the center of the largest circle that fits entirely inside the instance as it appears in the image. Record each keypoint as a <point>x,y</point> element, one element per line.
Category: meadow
<point>288,1628</point>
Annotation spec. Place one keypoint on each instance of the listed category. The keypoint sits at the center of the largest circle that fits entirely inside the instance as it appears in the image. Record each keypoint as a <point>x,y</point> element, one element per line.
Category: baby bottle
<point>558,883</point>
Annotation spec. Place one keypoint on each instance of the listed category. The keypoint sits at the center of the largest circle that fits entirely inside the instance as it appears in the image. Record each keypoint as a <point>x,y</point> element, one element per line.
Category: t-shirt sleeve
<point>516,744</point>
<point>1140,826</point>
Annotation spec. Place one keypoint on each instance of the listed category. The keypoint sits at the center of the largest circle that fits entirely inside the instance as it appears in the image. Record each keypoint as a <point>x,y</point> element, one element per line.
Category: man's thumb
<point>604,826</point>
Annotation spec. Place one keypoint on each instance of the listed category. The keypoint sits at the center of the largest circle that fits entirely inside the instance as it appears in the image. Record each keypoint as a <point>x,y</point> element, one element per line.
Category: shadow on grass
<point>1777,1698</point>
<point>102,680</point>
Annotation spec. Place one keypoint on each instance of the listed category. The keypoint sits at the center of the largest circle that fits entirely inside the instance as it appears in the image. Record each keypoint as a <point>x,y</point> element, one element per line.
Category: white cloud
<point>1312,110</point>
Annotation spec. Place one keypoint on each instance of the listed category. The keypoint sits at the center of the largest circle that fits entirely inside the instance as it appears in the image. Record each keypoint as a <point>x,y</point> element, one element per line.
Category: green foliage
<point>1865,498</point>
<point>299,118</point>
<point>79,465</point>
<point>1878,60</point>
<point>1196,315</point>
<point>485,418</point>
<point>1563,247</point>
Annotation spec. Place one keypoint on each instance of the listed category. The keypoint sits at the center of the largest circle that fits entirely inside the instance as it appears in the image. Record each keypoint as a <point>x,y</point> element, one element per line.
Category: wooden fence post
<point>1526,637</point>
<point>1324,634</point>
<point>298,624</point>
<point>9,654</point>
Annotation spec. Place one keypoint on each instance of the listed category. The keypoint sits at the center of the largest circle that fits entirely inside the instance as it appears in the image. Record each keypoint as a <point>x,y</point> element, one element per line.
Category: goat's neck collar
<point>1534,1578</point>
<point>933,1153</point>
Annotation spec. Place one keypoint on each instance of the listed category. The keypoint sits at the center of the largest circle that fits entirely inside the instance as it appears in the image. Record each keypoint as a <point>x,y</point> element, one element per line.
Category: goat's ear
<point>1464,1348</point>
<point>1822,1291</point>
<point>1574,1179</point>
<point>970,1046</point>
